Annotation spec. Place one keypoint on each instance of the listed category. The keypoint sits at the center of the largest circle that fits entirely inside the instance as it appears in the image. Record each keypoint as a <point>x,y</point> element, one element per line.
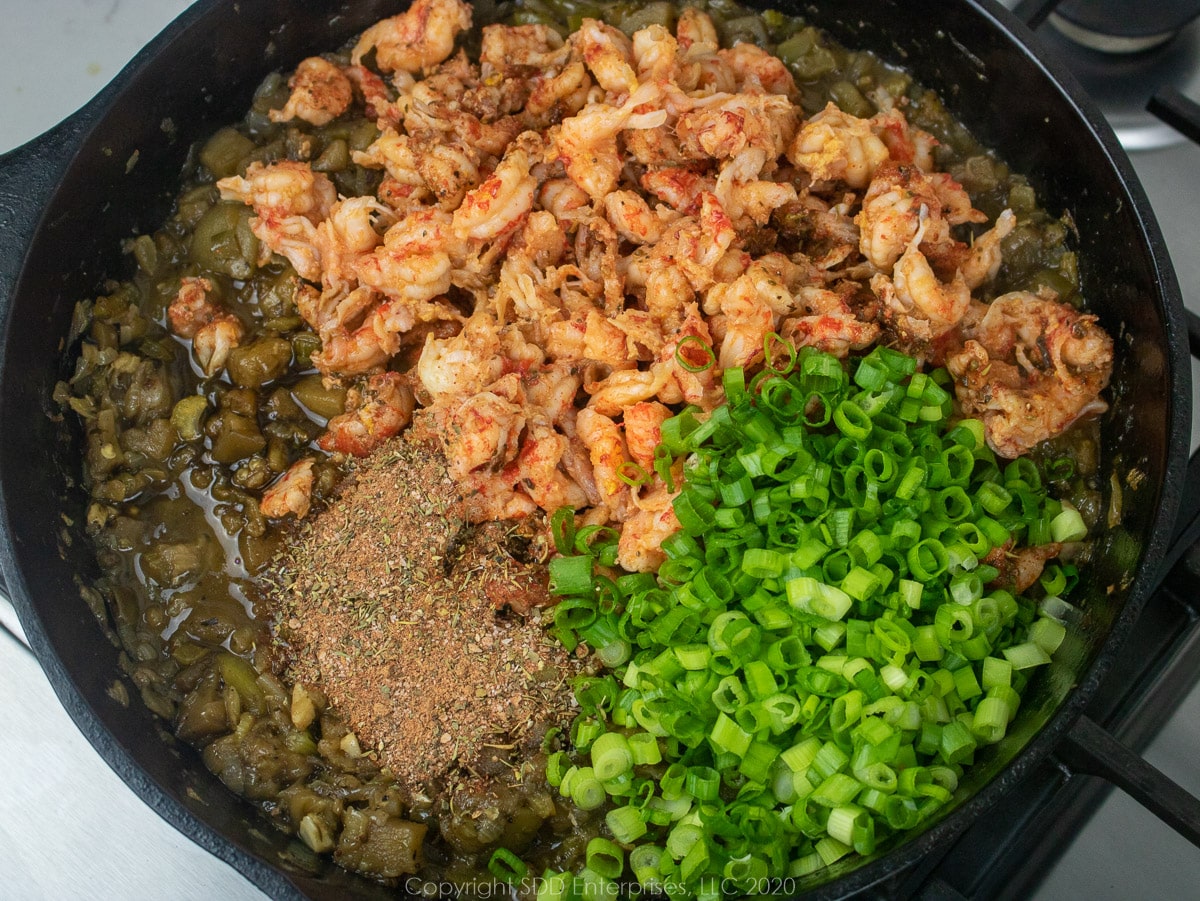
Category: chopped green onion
<point>837,789</point>
<point>762,563</point>
<point>820,654</point>
<point>773,346</point>
<point>1061,469</point>
<point>705,352</point>
<point>1025,656</point>
<point>605,858</point>
<point>694,862</point>
<point>585,730</point>
<point>756,763</point>
<point>694,514</point>
<point>507,867</point>
<point>663,461</point>
<point>676,431</point>
<point>644,748</point>
<point>644,863</point>
<point>1057,609</point>
<point>831,850</point>
<point>1047,634</point>
<point>990,721</point>
<point>726,735</point>
<point>586,790</point>
<point>733,380</point>
<point>681,839</point>
<point>562,529</point>
<point>571,575</point>
<point>783,712</point>
<point>993,498</point>
<point>1068,526</point>
<point>928,559</point>
<point>966,684</point>
<point>632,474</point>
<point>996,671</point>
<point>553,886</point>
<point>556,766</point>
<point>611,756</point>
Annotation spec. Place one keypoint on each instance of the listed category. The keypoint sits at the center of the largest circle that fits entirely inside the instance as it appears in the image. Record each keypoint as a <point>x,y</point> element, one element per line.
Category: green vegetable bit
<point>825,648</point>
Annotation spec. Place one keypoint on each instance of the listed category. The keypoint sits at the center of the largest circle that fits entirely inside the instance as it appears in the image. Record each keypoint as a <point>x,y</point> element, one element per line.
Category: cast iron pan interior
<point>201,73</point>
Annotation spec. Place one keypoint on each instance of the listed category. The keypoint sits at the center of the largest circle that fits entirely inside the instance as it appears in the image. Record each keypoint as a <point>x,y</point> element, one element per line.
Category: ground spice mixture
<point>424,631</point>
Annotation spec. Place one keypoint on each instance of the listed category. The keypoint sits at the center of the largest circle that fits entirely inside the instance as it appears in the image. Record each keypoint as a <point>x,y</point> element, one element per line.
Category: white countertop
<point>69,828</point>
<point>55,55</point>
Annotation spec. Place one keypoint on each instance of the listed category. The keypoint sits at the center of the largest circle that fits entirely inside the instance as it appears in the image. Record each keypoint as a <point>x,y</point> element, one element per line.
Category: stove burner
<point>1104,42</point>
<point>1114,26</point>
<point>1122,83</point>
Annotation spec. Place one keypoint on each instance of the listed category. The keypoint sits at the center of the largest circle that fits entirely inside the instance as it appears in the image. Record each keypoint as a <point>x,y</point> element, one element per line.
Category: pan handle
<point>28,176</point>
<point>1090,749</point>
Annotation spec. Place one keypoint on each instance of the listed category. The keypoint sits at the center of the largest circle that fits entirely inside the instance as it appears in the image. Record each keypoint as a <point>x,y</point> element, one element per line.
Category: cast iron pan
<point>70,197</point>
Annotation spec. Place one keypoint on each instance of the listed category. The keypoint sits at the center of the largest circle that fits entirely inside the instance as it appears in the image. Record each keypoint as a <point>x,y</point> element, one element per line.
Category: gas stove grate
<point>1123,60</point>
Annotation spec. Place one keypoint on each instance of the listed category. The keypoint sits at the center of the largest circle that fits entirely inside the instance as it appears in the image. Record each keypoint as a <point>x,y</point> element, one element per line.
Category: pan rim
<point>865,874</point>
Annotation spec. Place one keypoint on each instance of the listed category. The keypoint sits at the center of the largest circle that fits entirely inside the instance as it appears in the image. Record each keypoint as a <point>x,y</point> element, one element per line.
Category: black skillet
<point>68,198</point>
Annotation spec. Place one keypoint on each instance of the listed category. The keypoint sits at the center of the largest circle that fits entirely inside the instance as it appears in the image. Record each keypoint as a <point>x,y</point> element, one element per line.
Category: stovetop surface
<point>97,839</point>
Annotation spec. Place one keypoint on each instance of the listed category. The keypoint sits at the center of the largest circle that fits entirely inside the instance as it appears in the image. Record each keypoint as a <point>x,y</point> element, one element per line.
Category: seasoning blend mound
<point>422,629</point>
